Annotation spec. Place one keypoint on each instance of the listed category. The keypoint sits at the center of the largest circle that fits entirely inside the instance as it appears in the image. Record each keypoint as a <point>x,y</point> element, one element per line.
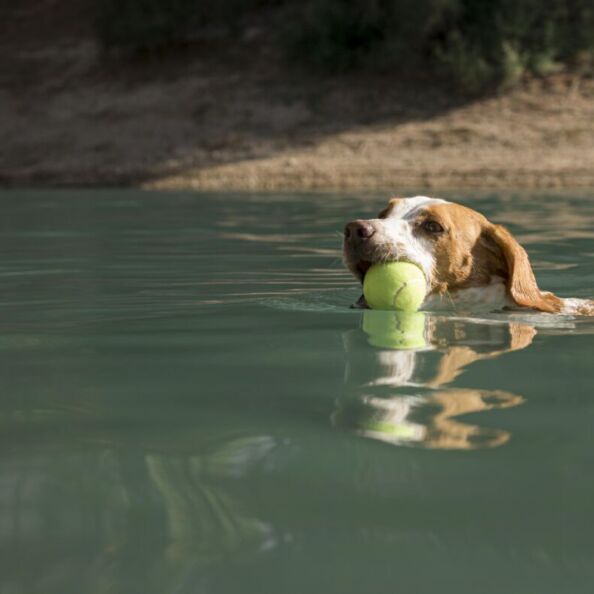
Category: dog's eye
<point>432,227</point>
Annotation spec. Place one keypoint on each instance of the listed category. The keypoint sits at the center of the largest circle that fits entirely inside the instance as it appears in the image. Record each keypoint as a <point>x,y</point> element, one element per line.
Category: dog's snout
<point>358,230</point>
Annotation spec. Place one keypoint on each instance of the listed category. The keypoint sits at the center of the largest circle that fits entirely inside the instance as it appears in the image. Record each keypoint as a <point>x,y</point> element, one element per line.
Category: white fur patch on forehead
<point>396,232</point>
<point>408,208</point>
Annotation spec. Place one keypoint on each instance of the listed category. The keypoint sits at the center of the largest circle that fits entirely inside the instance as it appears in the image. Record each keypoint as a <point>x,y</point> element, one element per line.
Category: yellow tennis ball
<point>395,285</point>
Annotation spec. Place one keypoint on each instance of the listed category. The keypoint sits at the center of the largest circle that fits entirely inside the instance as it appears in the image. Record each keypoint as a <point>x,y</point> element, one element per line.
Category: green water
<point>189,406</point>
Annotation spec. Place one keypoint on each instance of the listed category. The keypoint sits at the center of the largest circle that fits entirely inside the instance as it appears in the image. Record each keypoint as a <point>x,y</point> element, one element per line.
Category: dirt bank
<point>229,114</point>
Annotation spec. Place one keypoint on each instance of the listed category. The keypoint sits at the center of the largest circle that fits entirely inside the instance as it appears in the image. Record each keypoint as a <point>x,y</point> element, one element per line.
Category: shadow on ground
<point>228,113</point>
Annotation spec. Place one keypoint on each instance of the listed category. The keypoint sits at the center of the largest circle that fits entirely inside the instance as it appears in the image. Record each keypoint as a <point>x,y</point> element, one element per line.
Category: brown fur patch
<point>521,283</point>
<point>462,259</point>
<point>471,251</point>
<point>385,213</point>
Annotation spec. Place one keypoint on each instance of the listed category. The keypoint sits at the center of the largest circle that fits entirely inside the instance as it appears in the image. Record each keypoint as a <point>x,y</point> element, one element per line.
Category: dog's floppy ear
<point>521,284</point>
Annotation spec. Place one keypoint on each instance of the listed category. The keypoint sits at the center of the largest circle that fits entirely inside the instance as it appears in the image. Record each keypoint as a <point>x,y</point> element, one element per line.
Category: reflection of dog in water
<point>397,374</point>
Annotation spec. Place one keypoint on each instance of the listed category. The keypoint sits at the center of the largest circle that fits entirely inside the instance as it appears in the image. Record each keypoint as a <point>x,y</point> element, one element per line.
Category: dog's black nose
<point>358,230</point>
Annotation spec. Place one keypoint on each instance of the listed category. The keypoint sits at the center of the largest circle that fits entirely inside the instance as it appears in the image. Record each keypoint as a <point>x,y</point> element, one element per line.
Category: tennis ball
<point>395,285</point>
<point>400,330</point>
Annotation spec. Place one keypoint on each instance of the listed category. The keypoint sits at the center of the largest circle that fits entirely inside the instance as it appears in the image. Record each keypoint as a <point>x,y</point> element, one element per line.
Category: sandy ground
<point>233,116</point>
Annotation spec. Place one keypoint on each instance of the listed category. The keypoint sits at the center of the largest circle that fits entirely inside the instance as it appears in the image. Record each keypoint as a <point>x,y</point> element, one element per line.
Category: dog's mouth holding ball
<point>380,292</point>
<point>367,249</point>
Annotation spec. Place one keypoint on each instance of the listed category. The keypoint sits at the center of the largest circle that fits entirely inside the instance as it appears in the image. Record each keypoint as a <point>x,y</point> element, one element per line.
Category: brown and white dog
<point>467,260</point>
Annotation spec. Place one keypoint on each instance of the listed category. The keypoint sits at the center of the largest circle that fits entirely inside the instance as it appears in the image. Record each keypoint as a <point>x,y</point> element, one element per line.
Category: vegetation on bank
<point>480,44</point>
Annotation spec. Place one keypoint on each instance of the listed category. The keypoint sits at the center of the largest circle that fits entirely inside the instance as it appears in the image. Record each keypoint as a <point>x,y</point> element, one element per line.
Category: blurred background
<point>287,94</point>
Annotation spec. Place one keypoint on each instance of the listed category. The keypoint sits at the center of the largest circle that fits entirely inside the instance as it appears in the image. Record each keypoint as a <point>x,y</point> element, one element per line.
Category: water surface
<point>189,406</point>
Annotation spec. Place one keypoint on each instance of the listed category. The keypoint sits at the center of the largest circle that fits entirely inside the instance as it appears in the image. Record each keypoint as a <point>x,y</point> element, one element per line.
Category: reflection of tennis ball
<point>395,329</point>
<point>401,430</point>
<point>394,285</point>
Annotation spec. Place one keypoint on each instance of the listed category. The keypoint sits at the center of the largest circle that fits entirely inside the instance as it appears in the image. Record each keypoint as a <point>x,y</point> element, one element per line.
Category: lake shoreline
<point>235,116</point>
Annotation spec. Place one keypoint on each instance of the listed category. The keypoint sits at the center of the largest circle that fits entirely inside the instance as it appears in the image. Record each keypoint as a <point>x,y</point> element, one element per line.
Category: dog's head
<point>455,246</point>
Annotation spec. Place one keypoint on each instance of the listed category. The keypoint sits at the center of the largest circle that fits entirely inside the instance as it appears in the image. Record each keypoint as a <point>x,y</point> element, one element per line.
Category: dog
<point>467,260</point>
